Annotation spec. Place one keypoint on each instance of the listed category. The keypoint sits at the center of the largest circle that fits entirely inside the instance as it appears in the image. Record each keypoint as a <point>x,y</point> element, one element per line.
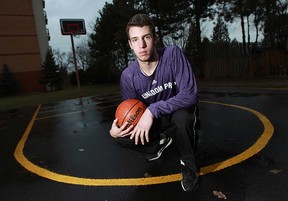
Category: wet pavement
<point>63,151</point>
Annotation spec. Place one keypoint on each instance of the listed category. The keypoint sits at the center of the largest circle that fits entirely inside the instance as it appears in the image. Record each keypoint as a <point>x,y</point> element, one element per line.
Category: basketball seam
<point>128,112</point>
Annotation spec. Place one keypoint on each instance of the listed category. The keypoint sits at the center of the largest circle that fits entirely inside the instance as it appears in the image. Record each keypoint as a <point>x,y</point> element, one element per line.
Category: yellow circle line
<point>254,149</point>
<point>42,172</point>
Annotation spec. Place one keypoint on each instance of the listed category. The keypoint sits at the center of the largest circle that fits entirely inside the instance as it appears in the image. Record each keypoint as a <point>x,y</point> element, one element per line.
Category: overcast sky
<point>89,11</point>
<point>59,9</point>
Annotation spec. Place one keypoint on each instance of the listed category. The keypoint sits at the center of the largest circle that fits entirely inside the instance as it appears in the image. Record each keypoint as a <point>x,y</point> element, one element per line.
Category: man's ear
<point>156,39</point>
<point>130,44</point>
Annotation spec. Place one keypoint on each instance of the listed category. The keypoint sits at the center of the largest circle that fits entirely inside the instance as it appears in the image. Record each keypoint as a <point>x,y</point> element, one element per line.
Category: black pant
<point>182,126</point>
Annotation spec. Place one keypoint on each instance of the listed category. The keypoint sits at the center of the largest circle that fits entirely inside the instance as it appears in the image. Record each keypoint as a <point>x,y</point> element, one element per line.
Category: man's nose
<point>142,43</point>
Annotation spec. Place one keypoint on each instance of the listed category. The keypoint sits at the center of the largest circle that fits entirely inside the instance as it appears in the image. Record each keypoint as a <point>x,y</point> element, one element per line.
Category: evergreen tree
<point>8,83</point>
<point>109,49</point>
<point>220,32</point>
<point>170,18</point>
<point>200,9</point>
<point>191,49</point>
<point>51,73</point>
<point>235,9</point>
<point>275,23</point>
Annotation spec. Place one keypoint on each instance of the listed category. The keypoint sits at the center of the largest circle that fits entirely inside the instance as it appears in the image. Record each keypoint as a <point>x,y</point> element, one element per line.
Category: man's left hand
<point>141,130</point>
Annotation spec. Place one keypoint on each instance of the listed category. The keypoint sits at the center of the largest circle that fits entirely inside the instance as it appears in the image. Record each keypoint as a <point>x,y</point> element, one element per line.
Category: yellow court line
<point>254,149</point>
<point>42,172</point>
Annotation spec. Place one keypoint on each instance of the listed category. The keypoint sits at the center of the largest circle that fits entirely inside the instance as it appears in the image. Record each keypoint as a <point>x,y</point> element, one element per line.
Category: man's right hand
<point>116,132</point>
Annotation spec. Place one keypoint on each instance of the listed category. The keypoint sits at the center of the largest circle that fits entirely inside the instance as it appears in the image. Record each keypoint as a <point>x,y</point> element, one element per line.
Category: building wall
<point>23,41</point>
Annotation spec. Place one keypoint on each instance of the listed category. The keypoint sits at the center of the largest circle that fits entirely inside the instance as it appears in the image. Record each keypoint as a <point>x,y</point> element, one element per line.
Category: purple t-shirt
<point>172,85</point>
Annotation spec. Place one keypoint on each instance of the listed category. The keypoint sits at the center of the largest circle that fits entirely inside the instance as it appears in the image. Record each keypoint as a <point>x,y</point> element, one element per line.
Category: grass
<point>34,99</point>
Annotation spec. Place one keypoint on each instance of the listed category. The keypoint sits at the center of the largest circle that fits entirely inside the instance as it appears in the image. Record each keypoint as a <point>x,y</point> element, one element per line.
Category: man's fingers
<point>129,128</point>
<point>115,121</point>
<point>136,136</point>
<point>125,135</point>
<point>143,137</point>
<point>147,136</point>
<point>127,131</point>
<point>132,135</point>
<point>124,126</point>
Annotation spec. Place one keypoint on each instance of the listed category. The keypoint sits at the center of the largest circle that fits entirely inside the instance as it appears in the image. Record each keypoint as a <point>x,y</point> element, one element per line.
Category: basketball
<point>131,111</point>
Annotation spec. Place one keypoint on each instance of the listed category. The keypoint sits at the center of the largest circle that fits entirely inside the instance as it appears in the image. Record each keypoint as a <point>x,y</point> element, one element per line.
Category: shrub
<point>8,83</point>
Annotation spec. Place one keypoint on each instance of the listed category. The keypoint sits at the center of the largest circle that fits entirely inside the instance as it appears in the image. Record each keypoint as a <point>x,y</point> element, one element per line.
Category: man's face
<point>142,42</point>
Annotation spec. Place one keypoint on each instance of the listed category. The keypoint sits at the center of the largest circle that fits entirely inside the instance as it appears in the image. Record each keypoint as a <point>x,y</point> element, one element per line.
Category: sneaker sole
<point>195,188</point>
<point>161,151</point>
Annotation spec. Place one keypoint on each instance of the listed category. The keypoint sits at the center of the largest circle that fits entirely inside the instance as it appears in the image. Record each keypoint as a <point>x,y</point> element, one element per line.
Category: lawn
<point>34,99</point>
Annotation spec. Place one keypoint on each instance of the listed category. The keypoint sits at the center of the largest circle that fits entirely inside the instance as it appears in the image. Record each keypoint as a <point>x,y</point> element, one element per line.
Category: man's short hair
<point>140,20</point>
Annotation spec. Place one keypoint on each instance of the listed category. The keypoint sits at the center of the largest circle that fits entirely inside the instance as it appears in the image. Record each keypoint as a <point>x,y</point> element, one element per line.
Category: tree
<point>108,44</point>
<point>220,32</point>
<point>52,75</point>
<point>191,49</point>
<point>8,83</point>
<point>173,19</point>
<point>83,58</point>
<point>200,9</point>
<point>256,8</point>
<point>234,9</point>
<point>82,55</point>
<point>275,21</point>
<point>170,18</point>
<point>270,16</point>
<point>62,60</point>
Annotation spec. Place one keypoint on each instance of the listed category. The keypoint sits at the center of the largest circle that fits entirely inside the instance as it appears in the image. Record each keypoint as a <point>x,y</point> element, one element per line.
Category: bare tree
<point>82,56</point>
<point>61,59</point>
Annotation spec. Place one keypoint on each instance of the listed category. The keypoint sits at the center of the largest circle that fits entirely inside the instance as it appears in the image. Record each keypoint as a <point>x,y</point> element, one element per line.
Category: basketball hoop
<point>74,28</point>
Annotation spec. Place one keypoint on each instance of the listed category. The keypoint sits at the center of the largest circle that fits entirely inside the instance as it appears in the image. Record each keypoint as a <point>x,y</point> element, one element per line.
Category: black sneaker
<point>190,181</point>
<point>166,142</point>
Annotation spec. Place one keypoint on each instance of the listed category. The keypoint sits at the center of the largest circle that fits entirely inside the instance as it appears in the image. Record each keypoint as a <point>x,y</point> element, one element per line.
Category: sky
<point>89,11</point>
<point>63,9</point>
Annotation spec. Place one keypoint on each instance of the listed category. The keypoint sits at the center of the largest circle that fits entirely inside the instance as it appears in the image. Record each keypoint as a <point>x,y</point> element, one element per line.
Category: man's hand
<point>116,132</point>
<point>142,128</point>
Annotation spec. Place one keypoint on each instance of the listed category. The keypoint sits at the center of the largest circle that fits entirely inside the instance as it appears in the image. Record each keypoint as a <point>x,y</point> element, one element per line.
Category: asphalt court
<point>69,143</point>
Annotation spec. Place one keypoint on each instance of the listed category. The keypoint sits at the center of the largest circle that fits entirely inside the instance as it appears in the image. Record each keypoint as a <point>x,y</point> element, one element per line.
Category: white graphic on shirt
<point>157,90</point>
<point>154,82</point>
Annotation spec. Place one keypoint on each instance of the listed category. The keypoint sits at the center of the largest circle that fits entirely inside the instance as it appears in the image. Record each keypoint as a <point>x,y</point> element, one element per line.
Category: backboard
<point>72,26</point>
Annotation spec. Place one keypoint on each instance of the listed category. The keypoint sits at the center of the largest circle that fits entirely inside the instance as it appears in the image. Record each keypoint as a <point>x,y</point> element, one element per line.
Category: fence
<point>223,62</point>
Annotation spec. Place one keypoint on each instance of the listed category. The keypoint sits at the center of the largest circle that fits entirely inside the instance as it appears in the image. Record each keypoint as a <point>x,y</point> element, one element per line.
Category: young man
<point>163,79</point>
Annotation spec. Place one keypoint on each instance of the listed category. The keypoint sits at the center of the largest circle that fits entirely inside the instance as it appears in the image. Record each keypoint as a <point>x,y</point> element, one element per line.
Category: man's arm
<point>186,87</point>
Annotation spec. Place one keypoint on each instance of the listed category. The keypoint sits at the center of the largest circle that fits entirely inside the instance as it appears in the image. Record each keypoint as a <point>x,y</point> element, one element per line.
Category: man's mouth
<point>143,53</point>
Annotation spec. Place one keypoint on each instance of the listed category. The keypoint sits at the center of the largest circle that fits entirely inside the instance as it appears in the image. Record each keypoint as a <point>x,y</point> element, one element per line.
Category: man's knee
<point>185,116</point>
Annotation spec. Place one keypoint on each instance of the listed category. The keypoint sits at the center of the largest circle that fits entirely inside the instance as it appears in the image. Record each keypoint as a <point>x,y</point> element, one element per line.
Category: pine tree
<point>220,32</point>
<point>8,83</point>
<point>52,75</point>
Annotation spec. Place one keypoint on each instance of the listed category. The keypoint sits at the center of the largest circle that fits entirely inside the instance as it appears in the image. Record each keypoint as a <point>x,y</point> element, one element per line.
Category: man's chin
<point>144,59</point>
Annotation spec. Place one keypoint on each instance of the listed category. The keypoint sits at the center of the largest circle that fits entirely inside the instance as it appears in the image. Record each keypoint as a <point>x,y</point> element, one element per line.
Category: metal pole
<point>76,70</point>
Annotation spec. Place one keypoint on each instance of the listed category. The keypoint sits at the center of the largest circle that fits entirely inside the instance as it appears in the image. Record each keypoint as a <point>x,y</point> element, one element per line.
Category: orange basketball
<point>131,111</point>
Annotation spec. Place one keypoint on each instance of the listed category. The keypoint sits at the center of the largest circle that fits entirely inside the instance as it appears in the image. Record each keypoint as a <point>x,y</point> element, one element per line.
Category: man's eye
<point>148,37</point>
<point>133,40</point>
